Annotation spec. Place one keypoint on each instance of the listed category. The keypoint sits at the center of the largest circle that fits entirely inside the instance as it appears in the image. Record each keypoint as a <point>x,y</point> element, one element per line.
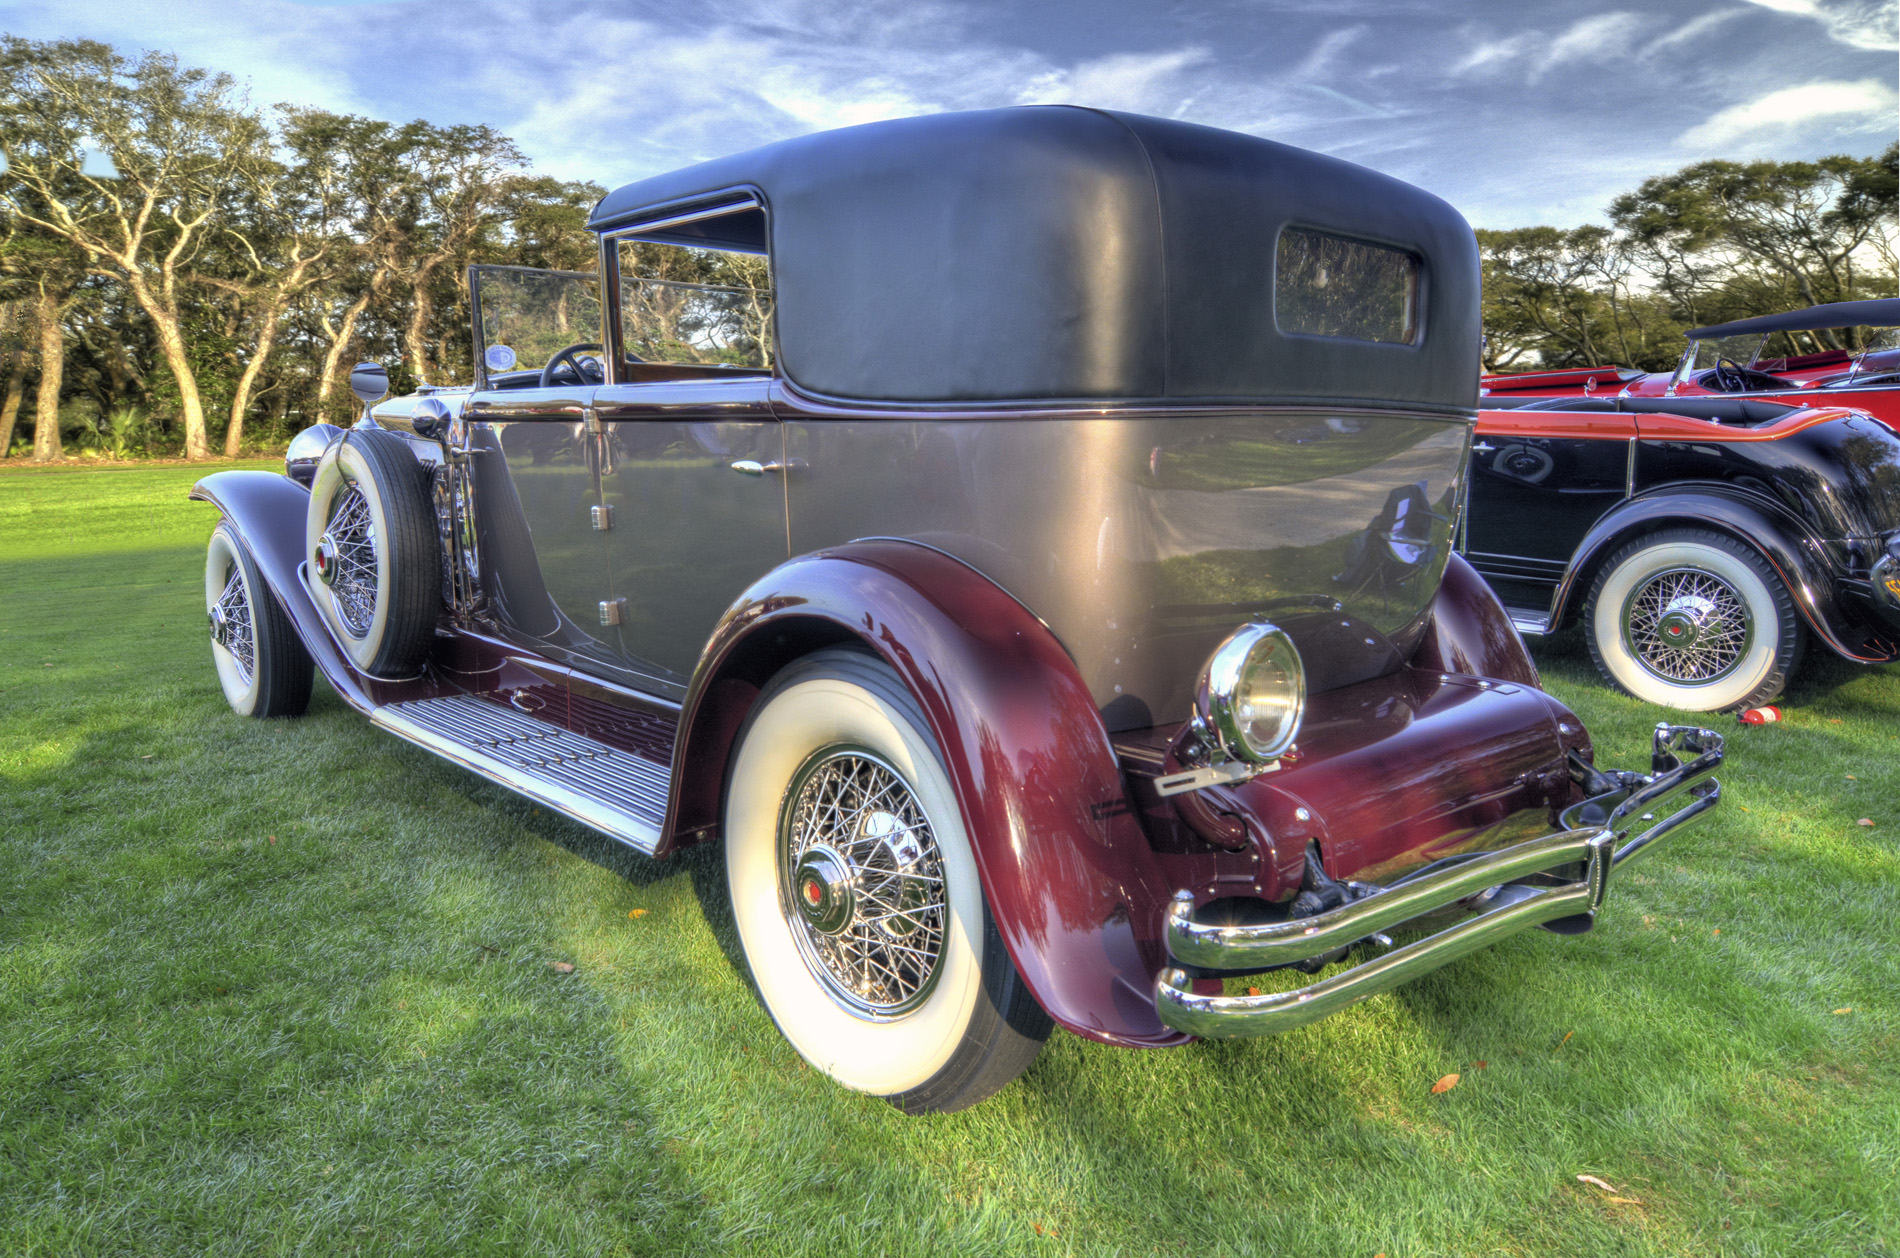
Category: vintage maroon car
<point>1843,354</point>
<point>1022,539</point>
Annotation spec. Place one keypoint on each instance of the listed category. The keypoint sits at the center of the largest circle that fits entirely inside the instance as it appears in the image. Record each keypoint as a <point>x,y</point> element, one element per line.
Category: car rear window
<point>1353,289</point>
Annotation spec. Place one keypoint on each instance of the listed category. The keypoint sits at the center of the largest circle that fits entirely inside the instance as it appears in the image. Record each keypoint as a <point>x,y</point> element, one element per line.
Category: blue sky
<point>1537,111</point>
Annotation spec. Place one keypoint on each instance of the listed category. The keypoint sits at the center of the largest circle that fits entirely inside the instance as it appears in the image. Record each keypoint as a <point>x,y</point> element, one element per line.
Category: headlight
<point>1253,694</point>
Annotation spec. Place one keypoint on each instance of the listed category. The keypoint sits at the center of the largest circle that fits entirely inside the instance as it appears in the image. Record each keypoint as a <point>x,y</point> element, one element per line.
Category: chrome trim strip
<point>603,806</point>
<point>1530,624</point>
<point>1594,830</point>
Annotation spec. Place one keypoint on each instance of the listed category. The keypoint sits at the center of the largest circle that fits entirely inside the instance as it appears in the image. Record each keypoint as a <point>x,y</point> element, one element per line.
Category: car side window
<point>689,304</point>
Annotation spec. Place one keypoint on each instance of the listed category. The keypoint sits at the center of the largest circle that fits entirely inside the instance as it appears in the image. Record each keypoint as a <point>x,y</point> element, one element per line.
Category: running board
<point>613,791</point>
<point>1530,624</point>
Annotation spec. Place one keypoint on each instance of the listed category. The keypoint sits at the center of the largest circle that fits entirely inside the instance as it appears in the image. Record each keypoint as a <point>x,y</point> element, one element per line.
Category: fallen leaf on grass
<point>562,967</point>
<point>1479,1065</point>
<point>1567,1034</point>
<point>1865,821</point>
<point>1604,1184</point>
<point>1849,1009</point>
<point>145,757</point>
<point>1716,931</point>
<point>1852,778</point>
<point>1445,1085</point>
<point>636,913</point>
<point>1833,720</point>
<point>1253,991</point>
<point>1627,1201</point>
<point>272,838</point>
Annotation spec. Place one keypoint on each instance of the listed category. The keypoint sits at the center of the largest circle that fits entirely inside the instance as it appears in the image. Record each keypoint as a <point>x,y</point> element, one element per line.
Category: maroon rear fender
<point>1470,632</point>
<point>1069,874</point>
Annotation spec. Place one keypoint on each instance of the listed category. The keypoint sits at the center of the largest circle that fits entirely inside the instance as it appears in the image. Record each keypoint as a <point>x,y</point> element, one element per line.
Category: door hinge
<point>611,610</point>
<point>603,517</point>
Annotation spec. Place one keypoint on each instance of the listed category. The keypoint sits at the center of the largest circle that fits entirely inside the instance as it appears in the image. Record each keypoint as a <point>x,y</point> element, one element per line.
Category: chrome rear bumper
<point>1597,837</point>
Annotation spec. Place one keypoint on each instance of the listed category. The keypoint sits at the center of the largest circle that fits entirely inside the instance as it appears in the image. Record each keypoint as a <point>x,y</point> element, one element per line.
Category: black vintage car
<point>1021,539</point>
<point>1701,540</point>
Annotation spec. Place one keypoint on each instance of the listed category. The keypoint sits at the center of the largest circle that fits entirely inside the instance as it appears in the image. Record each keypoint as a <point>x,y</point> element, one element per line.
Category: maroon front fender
<point>1069,874</point>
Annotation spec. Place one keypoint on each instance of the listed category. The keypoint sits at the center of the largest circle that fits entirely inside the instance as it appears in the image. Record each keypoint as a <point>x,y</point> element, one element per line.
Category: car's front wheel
<point>262,665</point>
<point>855,893</point>
<point>1690,618</point>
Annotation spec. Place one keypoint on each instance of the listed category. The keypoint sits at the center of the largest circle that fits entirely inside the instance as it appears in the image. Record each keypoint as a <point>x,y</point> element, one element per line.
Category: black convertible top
<point>1060,253</point>
<point>1882,313</point>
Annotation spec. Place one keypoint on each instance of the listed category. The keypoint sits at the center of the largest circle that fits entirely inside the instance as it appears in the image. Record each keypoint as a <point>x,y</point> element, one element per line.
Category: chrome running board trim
<point>613,791</point>
<point>1529,624</point>
<point>1596,829</point>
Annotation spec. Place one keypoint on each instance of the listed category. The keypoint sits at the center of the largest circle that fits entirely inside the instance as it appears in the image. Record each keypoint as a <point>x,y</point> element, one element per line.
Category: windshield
<point>523,316</point>
<point>1828,352</point>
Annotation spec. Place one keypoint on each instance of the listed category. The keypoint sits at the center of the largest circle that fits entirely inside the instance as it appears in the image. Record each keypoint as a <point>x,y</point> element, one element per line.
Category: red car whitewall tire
<point>1738,622</point>
<point>939,1019</point>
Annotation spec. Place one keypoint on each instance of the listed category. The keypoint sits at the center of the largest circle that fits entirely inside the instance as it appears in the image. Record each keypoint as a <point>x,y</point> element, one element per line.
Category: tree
<point>132,163</point>
<point>1779,234</point>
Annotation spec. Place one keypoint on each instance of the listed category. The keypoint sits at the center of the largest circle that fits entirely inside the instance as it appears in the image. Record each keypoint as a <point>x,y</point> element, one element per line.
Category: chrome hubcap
<point>863,883</point>
<point>346,561</point>
<point>230,620</point>
<point>1688,626</point>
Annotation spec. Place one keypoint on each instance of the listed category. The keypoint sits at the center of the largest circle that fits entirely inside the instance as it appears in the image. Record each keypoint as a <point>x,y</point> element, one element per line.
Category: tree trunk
<point>419,314</point>
<point>332,358</point>
<point>171,343</point>
<point>10,409</point>
<point>241,398</point>
<point>46,445</point>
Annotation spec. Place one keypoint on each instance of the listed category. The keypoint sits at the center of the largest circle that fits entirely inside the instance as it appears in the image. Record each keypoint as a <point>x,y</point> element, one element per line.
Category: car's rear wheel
<point>262,665</point>
<point>374,555</point>
<point>1691,618</point>
<point>855,893</point>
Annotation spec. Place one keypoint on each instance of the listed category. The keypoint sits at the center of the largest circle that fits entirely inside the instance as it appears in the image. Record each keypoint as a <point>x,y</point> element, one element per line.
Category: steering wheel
<point>582,375</point>
<point>1729,376</point>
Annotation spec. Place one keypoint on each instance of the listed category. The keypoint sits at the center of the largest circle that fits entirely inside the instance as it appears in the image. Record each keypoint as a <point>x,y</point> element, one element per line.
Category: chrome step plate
<point>615,792</point>
<point>1528,623</point>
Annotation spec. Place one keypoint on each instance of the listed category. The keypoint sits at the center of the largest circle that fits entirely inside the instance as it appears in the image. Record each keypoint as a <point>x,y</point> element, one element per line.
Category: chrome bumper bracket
<point>1599,847</point>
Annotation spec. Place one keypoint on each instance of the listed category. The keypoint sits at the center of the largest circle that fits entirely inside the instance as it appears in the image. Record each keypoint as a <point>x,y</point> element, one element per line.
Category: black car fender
<point>1787,548</point>
<point>268,510</point>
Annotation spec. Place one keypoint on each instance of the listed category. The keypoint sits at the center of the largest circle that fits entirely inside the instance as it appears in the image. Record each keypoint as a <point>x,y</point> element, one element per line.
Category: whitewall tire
<point>856,897</point>
<point>262,665</point>
<point>375,560</point>
<point>1694,619</point>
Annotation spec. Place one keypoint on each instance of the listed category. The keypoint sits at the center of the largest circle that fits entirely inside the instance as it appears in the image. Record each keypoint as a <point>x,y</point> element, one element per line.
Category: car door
<point>537,478</point>
<point>693,477</point>
<point>1539,480</point>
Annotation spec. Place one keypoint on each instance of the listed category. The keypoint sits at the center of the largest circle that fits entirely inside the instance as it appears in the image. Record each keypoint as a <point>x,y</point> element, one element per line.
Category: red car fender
<point>1809,582</point>
<point>1469,632</point>
<point>1070,877</point>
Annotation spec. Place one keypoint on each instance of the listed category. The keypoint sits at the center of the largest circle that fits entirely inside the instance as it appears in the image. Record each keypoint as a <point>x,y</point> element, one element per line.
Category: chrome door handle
<point>752,467</point>
<point>1483,447</point>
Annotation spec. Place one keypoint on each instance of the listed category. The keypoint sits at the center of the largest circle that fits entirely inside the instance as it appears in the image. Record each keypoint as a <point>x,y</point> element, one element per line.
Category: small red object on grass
<point>1760,716</point>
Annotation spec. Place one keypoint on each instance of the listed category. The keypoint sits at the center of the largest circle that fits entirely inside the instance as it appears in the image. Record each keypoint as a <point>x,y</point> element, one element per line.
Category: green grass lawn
<point>286,987</point>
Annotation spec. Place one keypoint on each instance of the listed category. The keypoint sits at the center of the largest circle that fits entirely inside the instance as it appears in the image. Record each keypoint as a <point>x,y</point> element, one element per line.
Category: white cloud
<point>1790,107</point>
<point>1602,37</point>
<point>1693,29</point>
<point>1139,82</point>
<point>1870,24</point>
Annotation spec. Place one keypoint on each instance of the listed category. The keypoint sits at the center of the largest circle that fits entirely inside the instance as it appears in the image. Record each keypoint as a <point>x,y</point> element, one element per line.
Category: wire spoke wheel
<point>353,532</point>
<point>1688,626</point>
<point>231,626</point>
<point>863,883</point>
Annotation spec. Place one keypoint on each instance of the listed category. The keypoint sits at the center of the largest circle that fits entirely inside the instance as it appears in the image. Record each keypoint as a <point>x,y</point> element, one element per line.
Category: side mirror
<point>430,419</point>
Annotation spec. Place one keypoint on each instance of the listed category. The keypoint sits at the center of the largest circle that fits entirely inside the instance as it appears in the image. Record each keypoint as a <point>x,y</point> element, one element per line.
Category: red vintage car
<point>1843,354</point>
<point>1021,540</point>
